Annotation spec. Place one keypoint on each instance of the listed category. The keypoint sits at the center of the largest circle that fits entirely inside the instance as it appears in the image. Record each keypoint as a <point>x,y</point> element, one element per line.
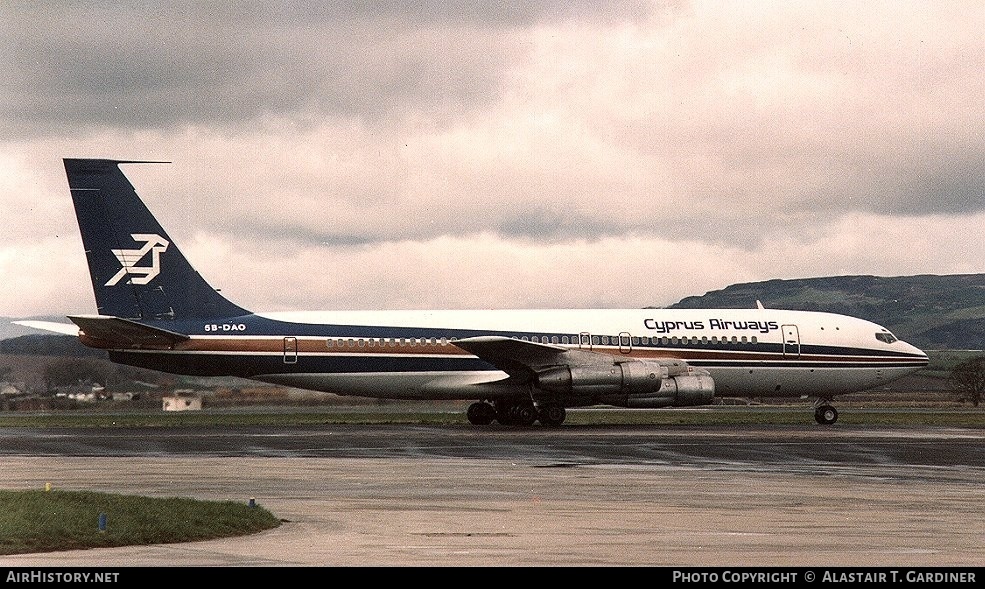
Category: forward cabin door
<point>585,340</point>
<point>791,341</point>
<point>625,342</point>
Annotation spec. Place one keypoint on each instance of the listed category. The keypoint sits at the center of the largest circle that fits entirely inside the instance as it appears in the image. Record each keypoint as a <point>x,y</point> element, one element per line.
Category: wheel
<point>505,413</point>
<point>515,413</point>
<point>826,415</point>
<point>525,414</point>
<point>481,413</point>
<point>552,415</point>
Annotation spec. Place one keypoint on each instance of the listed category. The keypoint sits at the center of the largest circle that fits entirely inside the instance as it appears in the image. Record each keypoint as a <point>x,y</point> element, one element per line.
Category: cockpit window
<point>886,337</point>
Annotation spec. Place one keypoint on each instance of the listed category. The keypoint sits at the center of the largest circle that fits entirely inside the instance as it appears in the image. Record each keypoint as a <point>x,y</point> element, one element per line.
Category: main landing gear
<point>825,414</point>
<point>515,413</point>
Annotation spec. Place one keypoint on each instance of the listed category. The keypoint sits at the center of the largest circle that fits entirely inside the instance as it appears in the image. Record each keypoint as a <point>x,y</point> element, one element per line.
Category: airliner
<point>519,367</point>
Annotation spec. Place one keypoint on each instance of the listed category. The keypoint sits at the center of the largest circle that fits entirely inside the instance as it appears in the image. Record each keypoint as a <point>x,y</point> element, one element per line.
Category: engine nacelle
<point>635,384</point>
<point>636,377</point>
<point>678,391</point>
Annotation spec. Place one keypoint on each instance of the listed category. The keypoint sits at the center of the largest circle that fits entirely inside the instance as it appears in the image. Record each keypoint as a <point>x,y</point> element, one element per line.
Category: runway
<point>415,495</point>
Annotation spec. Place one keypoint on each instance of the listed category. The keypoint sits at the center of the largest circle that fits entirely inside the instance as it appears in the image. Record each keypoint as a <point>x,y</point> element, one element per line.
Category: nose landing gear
<point>825,414</point>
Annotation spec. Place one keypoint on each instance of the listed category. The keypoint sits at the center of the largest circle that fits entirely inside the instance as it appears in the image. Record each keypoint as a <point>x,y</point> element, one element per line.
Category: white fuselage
<point>411,354</point>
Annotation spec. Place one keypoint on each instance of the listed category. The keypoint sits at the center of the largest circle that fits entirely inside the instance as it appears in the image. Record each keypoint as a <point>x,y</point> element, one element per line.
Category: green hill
<point>929,311</point>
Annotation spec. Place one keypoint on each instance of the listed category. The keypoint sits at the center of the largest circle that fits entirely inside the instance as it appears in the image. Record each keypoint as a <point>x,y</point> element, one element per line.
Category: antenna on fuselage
<point>759,305</point>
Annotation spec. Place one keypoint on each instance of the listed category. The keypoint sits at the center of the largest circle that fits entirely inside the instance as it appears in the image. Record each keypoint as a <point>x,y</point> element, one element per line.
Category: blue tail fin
<point>137,271</point>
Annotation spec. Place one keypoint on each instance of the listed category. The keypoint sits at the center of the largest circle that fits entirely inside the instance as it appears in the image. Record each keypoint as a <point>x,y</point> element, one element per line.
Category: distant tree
<point>73,371</point>
<point>968,378</point>
<point>122,375</point>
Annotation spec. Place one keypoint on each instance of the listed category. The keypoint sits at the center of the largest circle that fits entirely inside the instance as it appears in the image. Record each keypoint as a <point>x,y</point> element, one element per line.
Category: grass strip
<point>54,520</point>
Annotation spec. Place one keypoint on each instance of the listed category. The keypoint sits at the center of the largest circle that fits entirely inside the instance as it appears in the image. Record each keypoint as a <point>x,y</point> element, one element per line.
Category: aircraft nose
<point>920,354</point>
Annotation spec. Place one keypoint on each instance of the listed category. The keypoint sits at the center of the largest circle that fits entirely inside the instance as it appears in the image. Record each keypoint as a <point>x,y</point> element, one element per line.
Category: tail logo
<point>154,245</point>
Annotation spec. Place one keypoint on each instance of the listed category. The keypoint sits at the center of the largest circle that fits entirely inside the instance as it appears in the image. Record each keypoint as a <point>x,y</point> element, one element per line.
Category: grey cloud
<point>943,184</point>
<point>165,65</point>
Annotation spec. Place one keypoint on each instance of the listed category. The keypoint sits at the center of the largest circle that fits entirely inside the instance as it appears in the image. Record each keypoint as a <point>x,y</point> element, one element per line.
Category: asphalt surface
<point>406,495</point>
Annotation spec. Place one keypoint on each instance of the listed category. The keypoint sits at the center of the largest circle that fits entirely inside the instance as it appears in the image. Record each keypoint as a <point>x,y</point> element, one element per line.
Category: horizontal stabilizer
<point>62,328</point>
<point>124,333</point>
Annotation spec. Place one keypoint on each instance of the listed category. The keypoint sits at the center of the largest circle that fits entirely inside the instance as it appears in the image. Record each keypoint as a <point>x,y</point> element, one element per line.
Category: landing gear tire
<point>525,414</point>
<point>551,415</point>
<point>516,413</point>
<point>825,415</point>
<point>481,413</point>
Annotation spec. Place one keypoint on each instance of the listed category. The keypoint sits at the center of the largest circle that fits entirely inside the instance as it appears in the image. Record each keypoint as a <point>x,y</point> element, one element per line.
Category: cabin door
<point>625,342</point>
<point>791,341</point>
<point>585,340</point>
<point>290,350</point>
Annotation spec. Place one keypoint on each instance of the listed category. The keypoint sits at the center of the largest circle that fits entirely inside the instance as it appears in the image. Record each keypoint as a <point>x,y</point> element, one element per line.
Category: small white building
<point>182,402</point>
<point>10,389</point>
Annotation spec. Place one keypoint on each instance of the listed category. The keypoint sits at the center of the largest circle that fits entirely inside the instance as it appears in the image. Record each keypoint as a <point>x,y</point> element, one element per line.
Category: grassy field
<point>54,520</point>
<point>901,412</point>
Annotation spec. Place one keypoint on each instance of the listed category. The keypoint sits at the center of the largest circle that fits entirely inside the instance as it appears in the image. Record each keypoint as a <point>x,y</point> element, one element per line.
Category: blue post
<point>102,522</point>
<point>253,502</point>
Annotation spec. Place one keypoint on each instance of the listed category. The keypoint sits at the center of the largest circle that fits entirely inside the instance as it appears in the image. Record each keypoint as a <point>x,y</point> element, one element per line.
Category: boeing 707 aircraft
<point>518,366</point>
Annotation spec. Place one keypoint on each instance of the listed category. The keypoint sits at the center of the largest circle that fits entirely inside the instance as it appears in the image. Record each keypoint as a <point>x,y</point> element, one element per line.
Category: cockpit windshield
<point>886,337</point>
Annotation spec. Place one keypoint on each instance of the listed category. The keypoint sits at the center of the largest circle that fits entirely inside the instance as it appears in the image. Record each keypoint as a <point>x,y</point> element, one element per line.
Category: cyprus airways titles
<point>713,325</point>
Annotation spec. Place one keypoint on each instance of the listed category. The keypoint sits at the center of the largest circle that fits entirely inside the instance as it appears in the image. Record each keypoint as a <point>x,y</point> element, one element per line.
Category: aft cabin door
<point>290,350</point>
<point>791,341</point>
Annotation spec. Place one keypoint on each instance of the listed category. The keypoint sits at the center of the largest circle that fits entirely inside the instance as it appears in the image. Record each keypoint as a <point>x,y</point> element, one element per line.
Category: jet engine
<point>635,384</point>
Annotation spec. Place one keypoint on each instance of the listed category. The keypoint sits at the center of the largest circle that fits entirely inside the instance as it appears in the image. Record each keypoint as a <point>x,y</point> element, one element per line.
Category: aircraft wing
<point>522,359</point>
<point>124,333</point>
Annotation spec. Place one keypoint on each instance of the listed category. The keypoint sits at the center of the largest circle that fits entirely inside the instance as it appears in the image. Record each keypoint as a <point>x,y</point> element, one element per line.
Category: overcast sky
<point>415,155</point>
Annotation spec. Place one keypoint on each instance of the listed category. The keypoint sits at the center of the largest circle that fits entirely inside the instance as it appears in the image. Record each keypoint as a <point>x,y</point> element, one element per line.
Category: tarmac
<point>452,496</point>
